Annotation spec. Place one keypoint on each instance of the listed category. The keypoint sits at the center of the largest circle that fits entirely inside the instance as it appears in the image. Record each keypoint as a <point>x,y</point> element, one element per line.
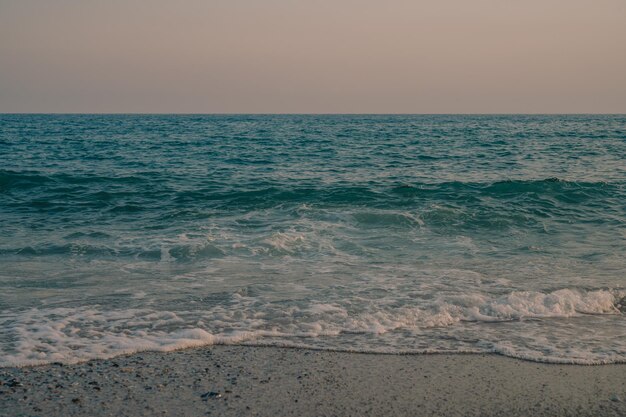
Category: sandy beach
<point>261,381</point>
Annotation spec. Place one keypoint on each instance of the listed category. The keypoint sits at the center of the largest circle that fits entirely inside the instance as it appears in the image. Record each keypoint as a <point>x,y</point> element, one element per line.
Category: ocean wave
<point>371,233</point>
<point>138,193</point>
<point>69,335</point>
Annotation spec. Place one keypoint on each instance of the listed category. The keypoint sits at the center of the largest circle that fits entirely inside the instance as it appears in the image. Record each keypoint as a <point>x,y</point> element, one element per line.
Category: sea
<point>391,234</point>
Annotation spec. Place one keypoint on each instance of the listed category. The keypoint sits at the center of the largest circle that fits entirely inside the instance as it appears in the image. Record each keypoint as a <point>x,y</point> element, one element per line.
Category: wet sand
<point>260,381</point>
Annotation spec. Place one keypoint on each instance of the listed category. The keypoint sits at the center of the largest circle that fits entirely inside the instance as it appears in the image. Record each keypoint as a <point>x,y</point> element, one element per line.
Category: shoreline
<point>267,381</point>
<point>548,361</point>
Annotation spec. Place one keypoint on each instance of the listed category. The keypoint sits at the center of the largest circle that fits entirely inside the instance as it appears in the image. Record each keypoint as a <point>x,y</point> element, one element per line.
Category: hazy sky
<point>313,56</point>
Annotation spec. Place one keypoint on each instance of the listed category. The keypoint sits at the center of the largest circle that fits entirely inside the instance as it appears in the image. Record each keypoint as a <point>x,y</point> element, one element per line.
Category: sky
<point>313,56</point>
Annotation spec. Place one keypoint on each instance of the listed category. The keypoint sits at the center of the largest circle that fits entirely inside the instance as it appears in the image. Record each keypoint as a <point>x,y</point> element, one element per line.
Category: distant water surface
<point>396,234</point>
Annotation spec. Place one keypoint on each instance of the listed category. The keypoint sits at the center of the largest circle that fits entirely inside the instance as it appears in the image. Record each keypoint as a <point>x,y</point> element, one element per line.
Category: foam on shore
<point>529,325</point>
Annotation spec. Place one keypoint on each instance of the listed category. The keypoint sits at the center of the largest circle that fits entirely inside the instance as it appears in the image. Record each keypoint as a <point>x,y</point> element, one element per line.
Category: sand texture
<point>259,381</point>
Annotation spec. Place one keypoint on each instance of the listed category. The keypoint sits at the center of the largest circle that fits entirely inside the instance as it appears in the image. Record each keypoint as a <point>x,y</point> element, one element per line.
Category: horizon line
<point>304,114</point>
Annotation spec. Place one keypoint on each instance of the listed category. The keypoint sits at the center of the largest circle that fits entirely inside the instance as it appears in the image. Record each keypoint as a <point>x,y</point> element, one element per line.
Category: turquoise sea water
<point>396,234</point>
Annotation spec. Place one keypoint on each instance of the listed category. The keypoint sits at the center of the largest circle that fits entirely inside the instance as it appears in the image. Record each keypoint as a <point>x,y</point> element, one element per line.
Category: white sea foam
<point>38,336</point>
<point>286,242</point>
